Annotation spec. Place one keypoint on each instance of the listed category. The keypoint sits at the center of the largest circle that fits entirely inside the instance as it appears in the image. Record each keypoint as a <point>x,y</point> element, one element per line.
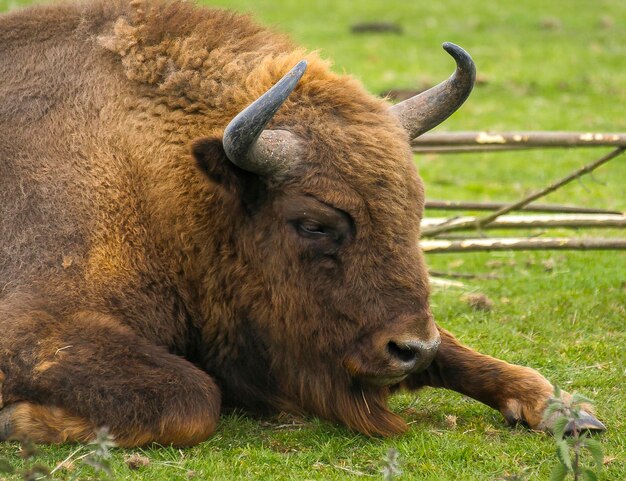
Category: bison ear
<point>212,160</point>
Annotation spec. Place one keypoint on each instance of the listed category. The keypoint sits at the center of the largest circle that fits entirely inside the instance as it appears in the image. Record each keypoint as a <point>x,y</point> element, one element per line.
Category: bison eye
<point>314,230</point>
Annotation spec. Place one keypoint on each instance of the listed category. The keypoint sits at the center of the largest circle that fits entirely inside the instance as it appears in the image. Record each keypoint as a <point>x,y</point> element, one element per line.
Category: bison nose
<point>408,355</point>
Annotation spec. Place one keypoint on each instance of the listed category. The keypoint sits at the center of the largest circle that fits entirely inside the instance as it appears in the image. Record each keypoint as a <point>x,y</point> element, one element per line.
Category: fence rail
<point>507,215</point>
<point>485,141</point>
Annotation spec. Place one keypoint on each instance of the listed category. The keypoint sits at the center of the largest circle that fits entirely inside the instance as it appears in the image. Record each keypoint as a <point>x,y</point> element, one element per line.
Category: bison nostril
<point>404,353</point>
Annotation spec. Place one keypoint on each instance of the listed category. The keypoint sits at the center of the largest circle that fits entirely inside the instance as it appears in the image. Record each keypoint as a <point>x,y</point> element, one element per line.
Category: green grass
<point>543,66</point>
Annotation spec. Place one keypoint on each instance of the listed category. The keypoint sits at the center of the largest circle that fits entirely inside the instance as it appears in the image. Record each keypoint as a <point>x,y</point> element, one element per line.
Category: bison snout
<point>410,355</point>
<point>387,360</point>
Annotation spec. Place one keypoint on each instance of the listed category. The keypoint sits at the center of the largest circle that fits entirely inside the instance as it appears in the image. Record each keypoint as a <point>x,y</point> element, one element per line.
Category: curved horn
<point>421,113</point>
<point>250,147</point>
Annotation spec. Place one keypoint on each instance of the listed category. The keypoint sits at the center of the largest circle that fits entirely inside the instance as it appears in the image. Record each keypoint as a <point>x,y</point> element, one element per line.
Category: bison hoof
<point>586,422</point>
<point>533,417</point>
<point>6,422</point>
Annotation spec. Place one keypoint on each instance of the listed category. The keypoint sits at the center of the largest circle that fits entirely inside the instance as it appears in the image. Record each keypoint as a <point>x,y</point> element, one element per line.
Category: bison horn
<point>421,113</point>
<point>254,149</point>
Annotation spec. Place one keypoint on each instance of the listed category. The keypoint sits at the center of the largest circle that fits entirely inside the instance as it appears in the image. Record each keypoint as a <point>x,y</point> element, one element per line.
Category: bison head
<point>317,299</point>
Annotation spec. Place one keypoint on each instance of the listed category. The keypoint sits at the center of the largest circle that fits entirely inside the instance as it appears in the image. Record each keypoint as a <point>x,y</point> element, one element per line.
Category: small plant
<point>570,450</point>
<point>391,466</point>
<point>98,459</point>
<point>33,471</point>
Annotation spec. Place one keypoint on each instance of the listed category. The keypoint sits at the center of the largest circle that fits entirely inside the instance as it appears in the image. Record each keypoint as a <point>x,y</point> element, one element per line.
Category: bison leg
<point>521,394</point>
<point>70,378</point>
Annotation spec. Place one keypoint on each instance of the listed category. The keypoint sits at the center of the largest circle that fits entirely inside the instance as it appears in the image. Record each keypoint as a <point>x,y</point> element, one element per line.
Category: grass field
<point>557,65</point>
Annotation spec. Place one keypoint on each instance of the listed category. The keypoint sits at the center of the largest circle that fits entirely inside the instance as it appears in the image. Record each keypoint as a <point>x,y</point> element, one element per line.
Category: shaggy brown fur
<point>144,280</point>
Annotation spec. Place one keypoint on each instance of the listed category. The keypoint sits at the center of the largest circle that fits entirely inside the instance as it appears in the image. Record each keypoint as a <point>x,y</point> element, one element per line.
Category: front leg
<point>520,393</point>
<point>63,377</point>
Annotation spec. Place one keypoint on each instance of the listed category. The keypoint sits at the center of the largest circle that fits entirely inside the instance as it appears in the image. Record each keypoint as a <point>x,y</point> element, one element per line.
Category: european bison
<point>181,230</point>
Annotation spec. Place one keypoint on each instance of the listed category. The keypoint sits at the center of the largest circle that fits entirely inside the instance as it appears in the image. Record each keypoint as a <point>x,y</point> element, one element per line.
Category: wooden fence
<point>438,233</point>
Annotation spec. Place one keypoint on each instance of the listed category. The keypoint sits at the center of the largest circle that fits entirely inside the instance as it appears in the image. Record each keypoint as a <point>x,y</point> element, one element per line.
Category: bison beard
<point>192,216</point>
<point>361,408</point>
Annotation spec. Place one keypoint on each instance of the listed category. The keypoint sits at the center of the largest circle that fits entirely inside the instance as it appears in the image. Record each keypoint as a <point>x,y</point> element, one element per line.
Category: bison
<point>197,214</point>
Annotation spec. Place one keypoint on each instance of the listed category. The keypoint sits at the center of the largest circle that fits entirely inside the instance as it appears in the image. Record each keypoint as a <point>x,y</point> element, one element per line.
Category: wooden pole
<point>519,244</point>
<point>498,141</point>
<point>532,221</point>
<point>480,206</point>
